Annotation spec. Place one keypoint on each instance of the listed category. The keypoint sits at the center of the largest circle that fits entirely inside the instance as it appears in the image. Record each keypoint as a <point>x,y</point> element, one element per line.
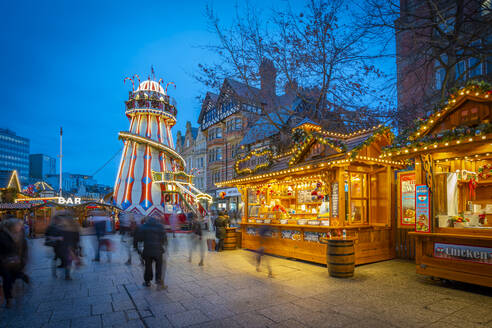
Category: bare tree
<point>440,44</point>
<point>317,51</point>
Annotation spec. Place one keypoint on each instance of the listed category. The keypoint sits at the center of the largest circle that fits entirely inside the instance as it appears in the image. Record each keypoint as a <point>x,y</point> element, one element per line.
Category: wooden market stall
<point>327,183</point>
<point>451,152</point>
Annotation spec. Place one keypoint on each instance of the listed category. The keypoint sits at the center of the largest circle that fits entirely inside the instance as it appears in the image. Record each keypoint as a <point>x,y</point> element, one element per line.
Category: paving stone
<point>188,318</point>
<point>132,315</point>
<point>252,320</point>
<point>58,324</point>
<point>168,308</point>
<point>87,322</point>
<point>101,308</point>
<point>153,322</point>
<point>115,318</point>
<point>228,292</point>
<point>123,305</point>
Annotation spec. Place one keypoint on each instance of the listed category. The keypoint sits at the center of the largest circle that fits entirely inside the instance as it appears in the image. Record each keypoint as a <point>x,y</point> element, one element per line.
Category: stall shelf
<point>451,153</point>
<point>328,184</point>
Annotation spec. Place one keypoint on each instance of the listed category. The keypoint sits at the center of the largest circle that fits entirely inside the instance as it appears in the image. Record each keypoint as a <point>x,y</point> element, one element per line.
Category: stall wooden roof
<point>320,150</point>
<point>463,122</point>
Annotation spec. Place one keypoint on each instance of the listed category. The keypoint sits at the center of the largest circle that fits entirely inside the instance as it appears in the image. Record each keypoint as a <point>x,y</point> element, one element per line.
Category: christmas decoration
<point>381,131</point>
<point>422,125</point>
<point>151,173</point>
<point>256,153</point>
<point>485,172</point>
<point>303,139</point>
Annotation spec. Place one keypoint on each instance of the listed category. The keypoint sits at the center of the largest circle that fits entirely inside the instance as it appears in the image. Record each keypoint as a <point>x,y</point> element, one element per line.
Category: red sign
<point>422,209</point>
<point>407,199</point>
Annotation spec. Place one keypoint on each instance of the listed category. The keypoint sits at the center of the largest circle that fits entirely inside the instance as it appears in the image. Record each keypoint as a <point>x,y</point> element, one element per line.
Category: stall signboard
<point>463,253</point>
<point>334,201</point>
<point>422,209</point>
<point>228,192</point>
<point>407,199</point>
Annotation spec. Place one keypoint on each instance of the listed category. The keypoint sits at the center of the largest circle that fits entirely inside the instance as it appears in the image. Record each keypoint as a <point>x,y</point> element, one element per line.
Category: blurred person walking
<point>54,238</point>
<point>173,222</point>
<point>221,223</point>
<point>100,221</point>
<point>70,231</point>
<point>264,233</point>
<point>13,255</point>
<point>153,236</point>
<point>127,228</point>
<point>196,238</point>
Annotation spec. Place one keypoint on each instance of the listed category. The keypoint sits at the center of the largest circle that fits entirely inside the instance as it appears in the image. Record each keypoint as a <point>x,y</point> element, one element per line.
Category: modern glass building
<point>40,166</point>
<point>14,154</point>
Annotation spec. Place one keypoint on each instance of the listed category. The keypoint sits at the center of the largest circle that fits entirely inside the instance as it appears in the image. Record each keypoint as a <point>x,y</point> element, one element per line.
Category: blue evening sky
<point>63,64</point>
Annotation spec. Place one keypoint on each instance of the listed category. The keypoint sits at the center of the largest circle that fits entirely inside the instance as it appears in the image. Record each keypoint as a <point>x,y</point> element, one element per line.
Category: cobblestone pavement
<point>228,292</point>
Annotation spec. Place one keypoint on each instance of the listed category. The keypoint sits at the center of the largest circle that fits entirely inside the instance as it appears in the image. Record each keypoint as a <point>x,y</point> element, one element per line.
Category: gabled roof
<point>42,186</point>
<point>209,97</point>
<point>9,179</point>
<point>243,90</point>
<point>194,132</point>
<point>264,127</point>
<point>306,121</point>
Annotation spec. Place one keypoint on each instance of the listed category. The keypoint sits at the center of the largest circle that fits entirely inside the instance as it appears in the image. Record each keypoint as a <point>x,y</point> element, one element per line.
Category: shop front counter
<point>372,243</point>
<point>456,254</point>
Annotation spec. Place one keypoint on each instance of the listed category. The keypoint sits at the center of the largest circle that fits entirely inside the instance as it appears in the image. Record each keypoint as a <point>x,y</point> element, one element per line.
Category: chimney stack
<point>268,75</point>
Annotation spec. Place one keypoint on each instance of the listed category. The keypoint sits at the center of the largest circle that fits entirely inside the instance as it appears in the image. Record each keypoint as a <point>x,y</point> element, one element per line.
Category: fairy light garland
<point>301,169</point>
<point>257,153</point>
<point>307,138</point>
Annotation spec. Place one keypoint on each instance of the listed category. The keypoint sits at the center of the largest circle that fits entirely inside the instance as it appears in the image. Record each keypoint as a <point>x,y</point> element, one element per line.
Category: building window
<point>238,124</point>
<point>214,133</point>
<point>486,7</point>
<point>215,154</point>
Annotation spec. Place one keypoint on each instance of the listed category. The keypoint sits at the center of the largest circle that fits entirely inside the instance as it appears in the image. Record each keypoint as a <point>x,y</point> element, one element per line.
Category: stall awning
<point>14,206</point>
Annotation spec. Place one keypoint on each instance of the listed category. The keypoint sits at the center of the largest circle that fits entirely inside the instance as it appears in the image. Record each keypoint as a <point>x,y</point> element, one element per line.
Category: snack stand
<point>452,156</point>
<point>327,185</point>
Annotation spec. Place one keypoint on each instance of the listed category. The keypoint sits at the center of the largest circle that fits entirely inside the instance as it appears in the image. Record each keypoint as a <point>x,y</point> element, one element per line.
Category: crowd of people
<point>145,236</point>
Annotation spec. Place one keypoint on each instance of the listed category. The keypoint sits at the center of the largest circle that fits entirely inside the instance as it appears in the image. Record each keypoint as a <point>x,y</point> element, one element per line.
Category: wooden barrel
<point>340,258</point>
<point>230,241</point>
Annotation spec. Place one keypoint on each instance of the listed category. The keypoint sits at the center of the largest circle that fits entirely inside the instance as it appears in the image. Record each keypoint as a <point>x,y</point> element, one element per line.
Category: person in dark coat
<point>13,255</point>
<point>196,239</point>
<point>153,236</point>
<point>220,229</point>
<point>54,238</point>
<point>100,222</point>
<point>70,243</point>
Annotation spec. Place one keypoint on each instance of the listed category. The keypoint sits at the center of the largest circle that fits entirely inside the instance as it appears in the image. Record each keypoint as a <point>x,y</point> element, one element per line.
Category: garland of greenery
<point>477,88</point>
<point>444,136</point>
<point>303,139</point>
<point>264,152</point>
<point>381,131</point>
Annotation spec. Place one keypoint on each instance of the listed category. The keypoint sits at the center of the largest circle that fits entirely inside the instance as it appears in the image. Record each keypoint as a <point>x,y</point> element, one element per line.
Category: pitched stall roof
<point>9,179</point>
<point>265,127</point>
<point>447,126</point>
<point>350,145</point>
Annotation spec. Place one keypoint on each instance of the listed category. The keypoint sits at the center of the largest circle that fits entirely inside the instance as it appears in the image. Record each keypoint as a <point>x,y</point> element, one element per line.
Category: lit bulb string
<point>438,116</point>
<point>470,158</point>
<point>437,146</point>
<point>339,135</point>
<point>147,141</point>
<point>303,169</point>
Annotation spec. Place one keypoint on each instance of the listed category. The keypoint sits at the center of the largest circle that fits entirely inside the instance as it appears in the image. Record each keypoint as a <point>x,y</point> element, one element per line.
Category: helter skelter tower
<point>151,173</point>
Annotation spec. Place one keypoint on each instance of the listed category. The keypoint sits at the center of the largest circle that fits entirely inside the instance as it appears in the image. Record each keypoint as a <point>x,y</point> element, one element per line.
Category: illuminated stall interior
<point>325,184</point>
<point>452,155</point>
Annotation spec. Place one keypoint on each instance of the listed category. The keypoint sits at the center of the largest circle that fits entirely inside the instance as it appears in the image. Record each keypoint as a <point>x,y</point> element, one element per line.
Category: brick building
<point>193,147</point>
<point>227,116</point>
<point>438,49</point>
